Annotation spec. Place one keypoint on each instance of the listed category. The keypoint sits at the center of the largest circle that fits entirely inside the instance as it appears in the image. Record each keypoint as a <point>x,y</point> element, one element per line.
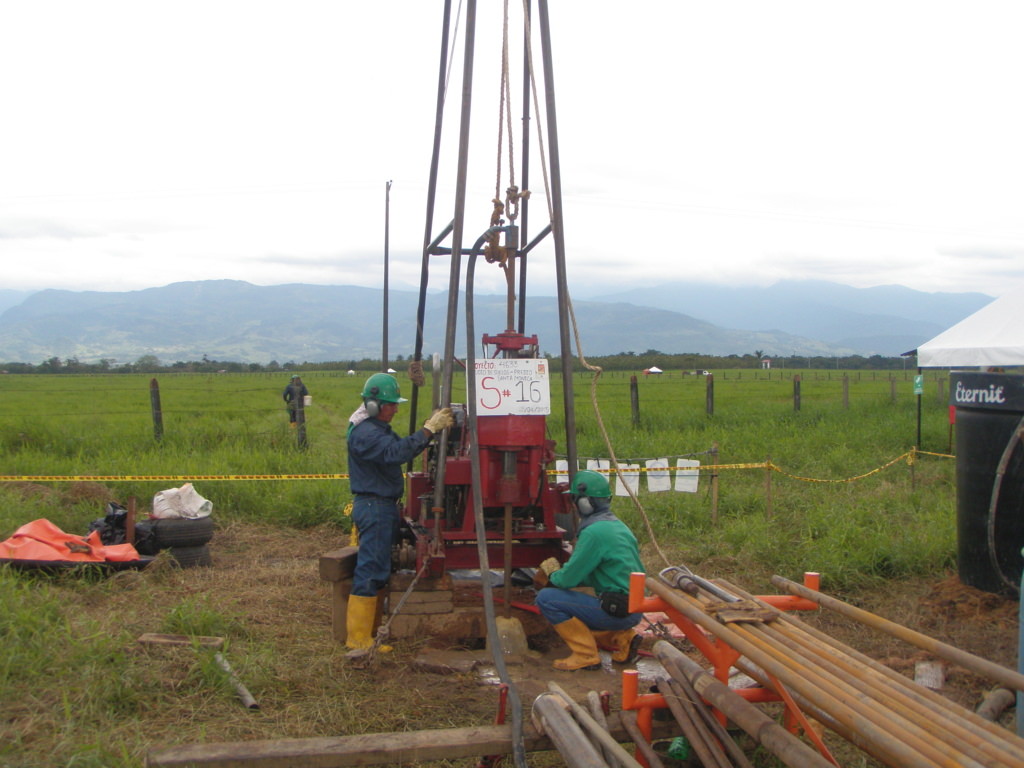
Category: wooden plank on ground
<point>371,748</point>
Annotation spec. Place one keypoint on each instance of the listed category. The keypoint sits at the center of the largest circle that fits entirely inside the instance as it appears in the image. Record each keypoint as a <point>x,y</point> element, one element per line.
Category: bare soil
<point>266,582</point>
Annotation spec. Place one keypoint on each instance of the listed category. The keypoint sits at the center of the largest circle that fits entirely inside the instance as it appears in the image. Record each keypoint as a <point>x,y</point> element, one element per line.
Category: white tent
<point>992,336</point>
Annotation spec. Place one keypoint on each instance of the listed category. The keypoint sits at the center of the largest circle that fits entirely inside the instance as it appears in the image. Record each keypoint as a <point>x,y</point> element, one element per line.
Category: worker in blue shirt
<point>293,394</point>
<point>375,458</point>
<point>605,555</point>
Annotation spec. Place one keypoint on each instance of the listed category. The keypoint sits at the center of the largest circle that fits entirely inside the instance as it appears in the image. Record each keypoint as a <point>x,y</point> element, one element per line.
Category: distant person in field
<point>606,553</point>
<point>375,458</point>
<point>293,394</point>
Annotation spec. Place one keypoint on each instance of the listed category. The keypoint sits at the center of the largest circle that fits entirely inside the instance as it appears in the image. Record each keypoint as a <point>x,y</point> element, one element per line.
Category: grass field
<point>894,522</point>
<point>831,507</point>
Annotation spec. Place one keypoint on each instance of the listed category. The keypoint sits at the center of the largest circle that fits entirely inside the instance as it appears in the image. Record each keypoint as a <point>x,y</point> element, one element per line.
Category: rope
<point>607,439</point>
<point>451,52</point>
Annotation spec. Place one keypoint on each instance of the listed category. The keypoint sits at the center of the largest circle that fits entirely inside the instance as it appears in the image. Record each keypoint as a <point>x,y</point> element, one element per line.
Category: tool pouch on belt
<point>615,604</point>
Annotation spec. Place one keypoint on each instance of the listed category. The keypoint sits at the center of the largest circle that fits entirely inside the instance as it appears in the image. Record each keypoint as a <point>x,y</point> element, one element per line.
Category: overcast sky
<point>867,143</point>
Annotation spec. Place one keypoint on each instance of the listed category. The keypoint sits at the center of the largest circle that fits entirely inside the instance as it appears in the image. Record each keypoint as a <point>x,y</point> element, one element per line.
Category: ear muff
<point>372,404</point>
<point>584,506</point>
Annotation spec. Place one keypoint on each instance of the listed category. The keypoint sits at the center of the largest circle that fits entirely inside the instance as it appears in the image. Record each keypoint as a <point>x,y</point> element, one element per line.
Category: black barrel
<point>989,410</point>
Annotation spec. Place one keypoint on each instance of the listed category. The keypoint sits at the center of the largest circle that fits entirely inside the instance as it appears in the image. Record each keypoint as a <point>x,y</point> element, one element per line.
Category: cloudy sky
<point>868,143</point>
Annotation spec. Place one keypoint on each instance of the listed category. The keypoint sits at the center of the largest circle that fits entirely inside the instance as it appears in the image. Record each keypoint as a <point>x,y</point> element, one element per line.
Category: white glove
<point>440,420</point>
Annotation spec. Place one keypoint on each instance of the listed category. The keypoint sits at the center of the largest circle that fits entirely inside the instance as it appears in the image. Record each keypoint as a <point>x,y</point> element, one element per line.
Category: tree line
<point>623,361</point>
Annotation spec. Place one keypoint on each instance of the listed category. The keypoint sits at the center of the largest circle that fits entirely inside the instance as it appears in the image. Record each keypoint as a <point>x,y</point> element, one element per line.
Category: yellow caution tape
<point>909,456</point>
<point>161,478</point>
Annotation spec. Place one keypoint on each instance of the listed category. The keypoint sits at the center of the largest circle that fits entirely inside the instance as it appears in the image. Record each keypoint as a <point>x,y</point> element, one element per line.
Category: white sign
<point>512,387</point>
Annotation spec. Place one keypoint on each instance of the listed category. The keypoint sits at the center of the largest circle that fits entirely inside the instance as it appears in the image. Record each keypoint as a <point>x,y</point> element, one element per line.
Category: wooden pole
<point>796,392</point>
<point>129,521</point>
<point>709,396</point>
<point>154,404</point>
<point>768,487</point>
<point>634,400</point>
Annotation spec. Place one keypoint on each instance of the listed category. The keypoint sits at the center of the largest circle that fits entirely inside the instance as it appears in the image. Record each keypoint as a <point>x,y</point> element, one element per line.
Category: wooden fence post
<point>796,392</point>
<point>768,487</point>
<point>709,396</point>
<point>634,400</point>
<point>154,404</point>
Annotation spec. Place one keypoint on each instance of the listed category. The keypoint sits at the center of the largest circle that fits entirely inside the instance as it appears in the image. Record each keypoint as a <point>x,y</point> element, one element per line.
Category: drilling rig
<point>483,497</point>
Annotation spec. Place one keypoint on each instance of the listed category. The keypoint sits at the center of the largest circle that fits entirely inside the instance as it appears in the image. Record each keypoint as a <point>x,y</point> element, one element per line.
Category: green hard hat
<point>382,387</point>
<point>590,483</point>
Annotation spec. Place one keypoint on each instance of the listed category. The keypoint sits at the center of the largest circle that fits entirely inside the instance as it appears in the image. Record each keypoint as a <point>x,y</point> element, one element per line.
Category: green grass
<point>887,524</point>
<point>75,685</point>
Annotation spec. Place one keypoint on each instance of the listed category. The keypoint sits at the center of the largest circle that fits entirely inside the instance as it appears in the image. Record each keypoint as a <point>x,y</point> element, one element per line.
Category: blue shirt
<point>376,455</point>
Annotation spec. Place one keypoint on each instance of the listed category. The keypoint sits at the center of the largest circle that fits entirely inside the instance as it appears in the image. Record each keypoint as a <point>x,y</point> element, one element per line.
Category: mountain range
<point>233,320</point>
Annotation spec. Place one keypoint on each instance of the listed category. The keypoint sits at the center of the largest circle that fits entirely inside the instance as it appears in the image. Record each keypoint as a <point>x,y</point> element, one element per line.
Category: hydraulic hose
<point>993,507</point>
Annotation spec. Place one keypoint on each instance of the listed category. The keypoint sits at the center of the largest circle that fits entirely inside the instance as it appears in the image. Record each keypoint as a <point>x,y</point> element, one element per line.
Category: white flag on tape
<point>631,475</point>
<point>687,475</point>
<point>658,477</point>
<point>562,471</point>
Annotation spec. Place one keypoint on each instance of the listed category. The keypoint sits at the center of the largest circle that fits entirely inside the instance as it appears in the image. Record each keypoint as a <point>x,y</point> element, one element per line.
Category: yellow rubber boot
<point>624,644</point>
<point>359,621</point>
<point>577,636</point>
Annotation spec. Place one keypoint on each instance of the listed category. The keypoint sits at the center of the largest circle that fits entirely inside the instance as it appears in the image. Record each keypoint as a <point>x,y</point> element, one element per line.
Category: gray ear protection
<point>584,506</point>
<point>373,405</point>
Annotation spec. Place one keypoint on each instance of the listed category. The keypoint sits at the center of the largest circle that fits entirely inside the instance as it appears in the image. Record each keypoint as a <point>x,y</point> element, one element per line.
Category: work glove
<point>440,420</point>
<point>544,570</point>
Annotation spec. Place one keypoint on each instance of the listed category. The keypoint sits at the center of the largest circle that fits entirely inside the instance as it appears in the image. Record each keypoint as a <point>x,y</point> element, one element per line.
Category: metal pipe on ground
<point>930,698</point>
<point>873,738</point>
<point>551,716</point>
<point>1006,677</point>
<point>633,729</point>
<point>893,725</point>
<point>598,734</point>
<point>716,728</point>
<point>708,754</point>
<point>764,730</point>
<point>909,714</point>
<point>879,687</point>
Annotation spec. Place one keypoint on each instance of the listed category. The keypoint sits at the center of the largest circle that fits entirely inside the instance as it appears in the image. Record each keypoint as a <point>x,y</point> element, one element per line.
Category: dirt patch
<point>265,592</point>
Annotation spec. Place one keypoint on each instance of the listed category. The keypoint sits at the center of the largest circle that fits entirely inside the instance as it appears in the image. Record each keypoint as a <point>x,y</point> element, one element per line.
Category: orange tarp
<point>42,540</point>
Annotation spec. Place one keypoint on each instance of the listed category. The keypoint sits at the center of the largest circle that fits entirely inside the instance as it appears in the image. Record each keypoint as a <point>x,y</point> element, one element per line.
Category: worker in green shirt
<point>606,553</point>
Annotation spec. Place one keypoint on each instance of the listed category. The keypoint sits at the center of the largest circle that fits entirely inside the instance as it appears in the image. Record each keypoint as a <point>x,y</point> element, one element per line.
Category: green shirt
<point>605,554</point>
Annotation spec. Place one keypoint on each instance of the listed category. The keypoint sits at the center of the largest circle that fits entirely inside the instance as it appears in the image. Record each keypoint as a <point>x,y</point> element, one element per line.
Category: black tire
<point>181,532</point>
<point>190,557</point>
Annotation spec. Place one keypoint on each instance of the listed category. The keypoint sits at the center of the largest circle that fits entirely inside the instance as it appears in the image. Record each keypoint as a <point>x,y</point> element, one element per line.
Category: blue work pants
<point>377,520</point>
<point>558,605</point>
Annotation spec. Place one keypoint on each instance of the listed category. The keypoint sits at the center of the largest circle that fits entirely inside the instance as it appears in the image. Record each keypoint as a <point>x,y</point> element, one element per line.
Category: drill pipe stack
<point>892,718</point>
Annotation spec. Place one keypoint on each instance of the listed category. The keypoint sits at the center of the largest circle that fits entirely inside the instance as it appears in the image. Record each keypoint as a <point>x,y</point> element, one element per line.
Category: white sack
<point>181,502</point>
